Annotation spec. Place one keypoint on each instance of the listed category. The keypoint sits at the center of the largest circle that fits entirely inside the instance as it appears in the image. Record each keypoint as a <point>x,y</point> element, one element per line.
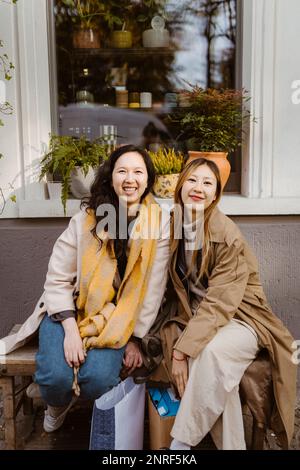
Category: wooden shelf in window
<point>132,51</point>
<point>145,110</point>
<point>162,110</point>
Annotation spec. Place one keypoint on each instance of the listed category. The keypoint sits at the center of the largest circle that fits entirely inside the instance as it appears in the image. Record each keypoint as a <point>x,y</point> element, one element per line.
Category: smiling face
<point>130,177</point>
<point>199,187</point>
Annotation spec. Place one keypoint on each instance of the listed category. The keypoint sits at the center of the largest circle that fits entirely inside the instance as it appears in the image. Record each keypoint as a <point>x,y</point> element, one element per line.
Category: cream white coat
<point>63,279</point>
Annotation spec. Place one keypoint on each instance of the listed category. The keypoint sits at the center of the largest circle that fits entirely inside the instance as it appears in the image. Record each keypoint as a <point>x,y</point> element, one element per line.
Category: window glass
<point>122,66</point>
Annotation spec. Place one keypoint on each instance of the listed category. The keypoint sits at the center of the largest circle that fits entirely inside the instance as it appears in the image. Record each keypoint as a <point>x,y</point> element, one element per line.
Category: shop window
<point>119,67</point>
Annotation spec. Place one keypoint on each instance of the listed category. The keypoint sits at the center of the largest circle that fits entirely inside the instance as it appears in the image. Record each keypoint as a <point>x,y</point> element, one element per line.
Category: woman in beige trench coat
<point>222,320</point>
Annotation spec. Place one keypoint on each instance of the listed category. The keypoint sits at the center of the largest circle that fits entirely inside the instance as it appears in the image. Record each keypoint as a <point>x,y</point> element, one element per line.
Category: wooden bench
<point>21,364</point>
<point>18,364</point>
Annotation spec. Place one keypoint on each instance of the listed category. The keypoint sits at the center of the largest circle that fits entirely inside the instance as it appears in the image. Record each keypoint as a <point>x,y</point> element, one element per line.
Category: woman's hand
<point>132,357</point>
<point>73,347</point>
<point>180,371</point>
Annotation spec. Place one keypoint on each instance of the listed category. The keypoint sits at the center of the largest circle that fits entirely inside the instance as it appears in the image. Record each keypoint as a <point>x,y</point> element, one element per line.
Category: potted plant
<point>85,16</point>
<point>73,159</point>
<point>213,124</point>
<point>157,36</point>
<point>168,164</point>
<point>121,39</point>
<point>137,15</point>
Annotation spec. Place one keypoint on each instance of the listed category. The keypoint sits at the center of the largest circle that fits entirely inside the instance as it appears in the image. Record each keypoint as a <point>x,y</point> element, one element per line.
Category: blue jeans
<point>98,374</point>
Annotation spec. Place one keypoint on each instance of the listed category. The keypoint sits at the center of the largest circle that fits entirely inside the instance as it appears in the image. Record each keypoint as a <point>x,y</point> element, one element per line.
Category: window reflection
<point>119,68</point>
<point>205,38</point>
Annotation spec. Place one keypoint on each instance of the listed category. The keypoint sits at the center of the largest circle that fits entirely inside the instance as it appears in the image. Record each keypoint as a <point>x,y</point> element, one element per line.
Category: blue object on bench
<point>164,401</point>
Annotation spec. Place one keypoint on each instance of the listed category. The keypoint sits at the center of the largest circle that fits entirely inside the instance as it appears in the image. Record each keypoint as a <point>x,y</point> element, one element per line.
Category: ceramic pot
<point>220,159</point>
<point>81,184</point>
<point>165,185</point>
<point>86,39</point>
<point>54,189</point>
<point>156,38</point>
<point>121,39</point>
<point>84,96</point>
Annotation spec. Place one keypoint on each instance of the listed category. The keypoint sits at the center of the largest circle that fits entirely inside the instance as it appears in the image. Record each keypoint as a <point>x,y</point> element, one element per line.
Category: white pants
<point>211,399</point>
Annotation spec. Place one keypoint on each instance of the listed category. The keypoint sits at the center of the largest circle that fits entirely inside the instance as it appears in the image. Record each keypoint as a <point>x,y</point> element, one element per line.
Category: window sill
<point>230,205</point>
<point>47,208</point>
<point>240,205</point>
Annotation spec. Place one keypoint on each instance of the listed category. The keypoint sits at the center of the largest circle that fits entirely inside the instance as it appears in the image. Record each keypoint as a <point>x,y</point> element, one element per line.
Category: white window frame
<point>34,116</point>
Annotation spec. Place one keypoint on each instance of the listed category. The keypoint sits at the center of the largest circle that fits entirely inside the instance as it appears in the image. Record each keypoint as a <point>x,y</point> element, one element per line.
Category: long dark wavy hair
<point>102,191</point>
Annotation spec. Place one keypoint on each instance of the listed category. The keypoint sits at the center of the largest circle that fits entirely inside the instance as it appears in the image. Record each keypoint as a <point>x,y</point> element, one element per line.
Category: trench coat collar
<point>217,223</point>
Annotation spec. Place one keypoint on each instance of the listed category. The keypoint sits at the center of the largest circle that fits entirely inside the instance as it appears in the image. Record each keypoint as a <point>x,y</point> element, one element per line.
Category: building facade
<point>267,210</point>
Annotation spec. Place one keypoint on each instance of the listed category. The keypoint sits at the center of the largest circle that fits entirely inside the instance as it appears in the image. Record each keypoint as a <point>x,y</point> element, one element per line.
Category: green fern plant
<point>68,152</point>
<point>89,14</point>
<point>215,121</point>
<point>167,161</point>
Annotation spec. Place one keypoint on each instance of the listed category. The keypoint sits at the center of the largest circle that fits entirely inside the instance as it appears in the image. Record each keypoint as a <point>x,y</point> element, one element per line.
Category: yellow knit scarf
<point>103,324</point>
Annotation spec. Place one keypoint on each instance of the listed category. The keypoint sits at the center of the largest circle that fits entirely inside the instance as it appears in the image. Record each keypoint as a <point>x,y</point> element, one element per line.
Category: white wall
<point>271,160</point>
<point>25,134</point>
<point>10,165</point>
<point>271,56</point>
<point>287,115</point>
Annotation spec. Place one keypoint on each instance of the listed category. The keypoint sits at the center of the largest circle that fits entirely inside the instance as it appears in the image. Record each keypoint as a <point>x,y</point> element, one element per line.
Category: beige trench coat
<point>234,290</point>
<point>63,279</point>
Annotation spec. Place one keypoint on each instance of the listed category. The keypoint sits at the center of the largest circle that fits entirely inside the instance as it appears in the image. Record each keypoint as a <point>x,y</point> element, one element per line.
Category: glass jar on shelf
<point>146,99</point>
<point>134,99</point>
<point>84,92</point>
<point>121,98</point>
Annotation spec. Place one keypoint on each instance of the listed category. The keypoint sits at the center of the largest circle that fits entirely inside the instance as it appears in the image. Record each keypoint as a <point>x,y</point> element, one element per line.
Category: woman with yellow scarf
<point>103,286</point>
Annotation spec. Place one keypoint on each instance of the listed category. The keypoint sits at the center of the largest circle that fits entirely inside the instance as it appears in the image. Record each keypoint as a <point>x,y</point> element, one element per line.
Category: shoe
<point>55,416</point>
<point>33,391</point>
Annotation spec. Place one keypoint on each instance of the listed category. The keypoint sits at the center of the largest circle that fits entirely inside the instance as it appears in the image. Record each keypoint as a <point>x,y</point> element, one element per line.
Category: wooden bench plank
<point>24,355</point>
<point>22,370</point>
<point>18,363</point>
<point>8,389</point>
